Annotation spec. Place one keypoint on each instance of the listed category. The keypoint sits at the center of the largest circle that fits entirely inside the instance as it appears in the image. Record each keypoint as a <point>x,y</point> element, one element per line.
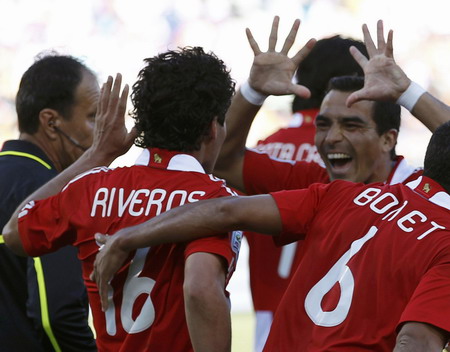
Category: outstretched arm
<point>418,337</point>
<point>111,140</point>
<point>386,81</point>
<point>271,74</point>
<point>186,223</point>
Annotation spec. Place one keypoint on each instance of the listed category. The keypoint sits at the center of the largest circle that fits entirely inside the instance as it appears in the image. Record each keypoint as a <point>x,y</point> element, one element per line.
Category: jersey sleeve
<point>263,174</point>
<point>429,302</point>
<point>297,210</point>
<point>43,227</point>
<point>225,245</point>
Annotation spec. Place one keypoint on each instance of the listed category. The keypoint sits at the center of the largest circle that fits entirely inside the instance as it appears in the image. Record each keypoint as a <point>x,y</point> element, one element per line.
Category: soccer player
<point>356,129</point>
<point>375,268</point>
<point>271,267</point>
<point>56,104</point>
<point>170,297</point>
<point>356,142</point>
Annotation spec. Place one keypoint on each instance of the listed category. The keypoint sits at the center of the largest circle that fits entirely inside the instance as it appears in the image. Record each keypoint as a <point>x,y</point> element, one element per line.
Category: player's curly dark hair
<point>177,96</point>
<point>437,157</point>
<point>329,58</point>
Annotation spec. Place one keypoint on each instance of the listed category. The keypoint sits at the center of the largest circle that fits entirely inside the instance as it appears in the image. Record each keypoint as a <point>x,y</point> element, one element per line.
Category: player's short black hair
<point>177,96</point>
<point>329,58</point>
<point>50,82</point>
<point>437,157</point>
<point>386,115</point>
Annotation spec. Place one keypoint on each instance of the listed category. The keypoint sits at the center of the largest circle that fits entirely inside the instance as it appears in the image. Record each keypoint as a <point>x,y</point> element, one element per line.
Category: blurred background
<point>116,35</point>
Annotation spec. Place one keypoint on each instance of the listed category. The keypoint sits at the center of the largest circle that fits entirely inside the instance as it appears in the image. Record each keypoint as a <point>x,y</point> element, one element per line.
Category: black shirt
<point>24,167</point>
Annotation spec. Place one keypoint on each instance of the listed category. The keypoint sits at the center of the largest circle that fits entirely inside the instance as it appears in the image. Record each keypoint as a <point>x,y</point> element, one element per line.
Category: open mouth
<point>339,160</point>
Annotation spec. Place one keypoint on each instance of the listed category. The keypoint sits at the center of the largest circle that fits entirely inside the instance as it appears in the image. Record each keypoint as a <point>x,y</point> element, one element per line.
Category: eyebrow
<point>345,119</point>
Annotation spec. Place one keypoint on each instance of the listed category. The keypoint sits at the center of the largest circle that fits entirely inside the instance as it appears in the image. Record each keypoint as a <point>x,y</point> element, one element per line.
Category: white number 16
<point>133,287</point>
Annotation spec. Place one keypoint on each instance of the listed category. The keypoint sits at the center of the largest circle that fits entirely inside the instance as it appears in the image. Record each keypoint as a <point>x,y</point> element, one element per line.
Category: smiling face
<point>348,142</point>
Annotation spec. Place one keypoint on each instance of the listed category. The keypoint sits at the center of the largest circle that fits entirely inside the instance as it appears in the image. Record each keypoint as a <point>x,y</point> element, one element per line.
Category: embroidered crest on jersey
<point>157,158</point>
<point>426,187</point>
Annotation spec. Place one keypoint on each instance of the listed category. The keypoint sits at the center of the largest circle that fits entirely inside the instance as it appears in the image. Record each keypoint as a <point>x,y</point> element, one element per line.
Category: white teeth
<point>336,156</point>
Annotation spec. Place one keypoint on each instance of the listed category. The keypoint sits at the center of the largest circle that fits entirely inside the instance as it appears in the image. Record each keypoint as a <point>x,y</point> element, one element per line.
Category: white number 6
<point>341,274</point>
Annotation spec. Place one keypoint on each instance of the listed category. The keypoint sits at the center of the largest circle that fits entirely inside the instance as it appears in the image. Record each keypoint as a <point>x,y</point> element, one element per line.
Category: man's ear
<point>48,120</point>
<point>213,130</point>
<point>389,139</point>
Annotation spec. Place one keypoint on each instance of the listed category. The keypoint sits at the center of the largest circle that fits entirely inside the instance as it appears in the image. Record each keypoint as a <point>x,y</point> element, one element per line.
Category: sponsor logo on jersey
<point>236,240</point>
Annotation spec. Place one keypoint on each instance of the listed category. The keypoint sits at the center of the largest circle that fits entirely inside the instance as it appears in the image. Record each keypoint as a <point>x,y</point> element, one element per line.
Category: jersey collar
<point>18,145</point>
<point>400,172</point>
<point>303,118</point>
<point>431,190</point>
<point>169,160</point>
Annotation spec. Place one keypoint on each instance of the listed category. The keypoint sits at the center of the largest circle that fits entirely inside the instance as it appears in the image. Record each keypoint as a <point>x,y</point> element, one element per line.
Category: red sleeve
<point>42,228</point>
<point>263,174</point>
<point>226,246</point>
<point>297,210</point>
<point>430,301</point>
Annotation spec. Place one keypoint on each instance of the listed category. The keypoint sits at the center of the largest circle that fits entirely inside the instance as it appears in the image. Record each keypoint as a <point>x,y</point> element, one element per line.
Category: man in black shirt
<point>43,301</point>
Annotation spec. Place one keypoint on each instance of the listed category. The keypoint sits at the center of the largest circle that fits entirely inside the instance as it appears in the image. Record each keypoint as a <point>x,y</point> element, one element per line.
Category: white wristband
<point>410,96</point>
<point>251,95</point>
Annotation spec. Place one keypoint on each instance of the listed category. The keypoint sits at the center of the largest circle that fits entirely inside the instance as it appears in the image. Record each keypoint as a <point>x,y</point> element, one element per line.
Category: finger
<point>355,97</point>
<point>274,34</point>
<point>291,37</point>
<point>303,52</point>
<point>300,91</point>
<point>100,239</point>
<point>131,136</point>
<point>253,44</point>
<point>123,103</point>
<point>370,46</point>
<point>103,291</point>
<point>359,57</point>
<point>389,51</point>
<point>380,36</point>
<point>105,94</point>
<point>115,93</point>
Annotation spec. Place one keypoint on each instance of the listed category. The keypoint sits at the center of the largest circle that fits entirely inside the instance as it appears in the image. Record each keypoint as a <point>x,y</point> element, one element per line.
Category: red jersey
<point>373,257</point>
<point>272,267</point>
<point>147,306</point>
<point>296,142</point>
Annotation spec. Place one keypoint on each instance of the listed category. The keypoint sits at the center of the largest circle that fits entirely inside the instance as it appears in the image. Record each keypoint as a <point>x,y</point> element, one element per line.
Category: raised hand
<point>111,137</point>
<point>384,80</point>
<point>272,71</point>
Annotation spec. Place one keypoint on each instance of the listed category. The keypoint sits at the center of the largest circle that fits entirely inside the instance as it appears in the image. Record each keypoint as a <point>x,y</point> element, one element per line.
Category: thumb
<point>300,91</point>
<point>355,97</point>
<point>100,239</point>
<point>131,136</point>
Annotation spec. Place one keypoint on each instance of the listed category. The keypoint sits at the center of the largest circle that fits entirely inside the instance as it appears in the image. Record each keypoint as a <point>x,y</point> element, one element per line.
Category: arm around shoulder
<point>419,337</point>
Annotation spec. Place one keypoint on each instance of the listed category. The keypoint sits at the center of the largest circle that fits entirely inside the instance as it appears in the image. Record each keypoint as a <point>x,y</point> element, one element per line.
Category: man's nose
<point>334,134</point>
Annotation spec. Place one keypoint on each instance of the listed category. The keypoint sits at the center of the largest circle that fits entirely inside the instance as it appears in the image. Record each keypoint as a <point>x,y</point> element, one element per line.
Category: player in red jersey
<point>271,267</point>
<point>356,142</point>
<point>168,297</point>
<point>359,150</point>
<point>375,268</point>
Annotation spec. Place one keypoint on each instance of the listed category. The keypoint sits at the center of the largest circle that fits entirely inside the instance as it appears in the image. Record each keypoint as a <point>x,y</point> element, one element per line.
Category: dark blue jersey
<point>43,301</point>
